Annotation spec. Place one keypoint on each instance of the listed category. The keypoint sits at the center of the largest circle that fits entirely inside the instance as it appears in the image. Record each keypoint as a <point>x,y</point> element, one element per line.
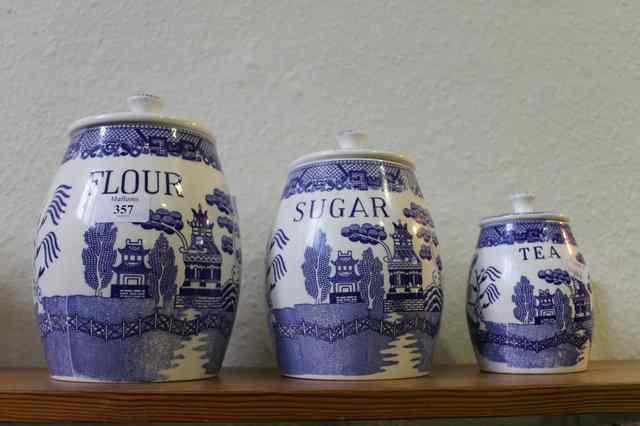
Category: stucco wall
<point>487,97</point>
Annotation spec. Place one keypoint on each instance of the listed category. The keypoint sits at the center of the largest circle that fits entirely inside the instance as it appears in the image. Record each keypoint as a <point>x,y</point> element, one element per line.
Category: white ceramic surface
<point>137,254</point>
<point>353,268</point>
<point>529,300</point>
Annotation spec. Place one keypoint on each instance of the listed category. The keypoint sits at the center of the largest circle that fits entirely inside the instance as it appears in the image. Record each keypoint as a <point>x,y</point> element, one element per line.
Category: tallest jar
<point>137,252</point>
<point>353,270</point>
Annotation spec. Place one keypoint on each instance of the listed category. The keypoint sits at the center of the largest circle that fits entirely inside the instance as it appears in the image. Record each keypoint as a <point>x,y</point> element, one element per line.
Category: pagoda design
<point>345,283</point>
<point>545,308</point>
<point>405,274</point>
<point>132,274</point>
<point>202,261</point>
<point>581,301</point>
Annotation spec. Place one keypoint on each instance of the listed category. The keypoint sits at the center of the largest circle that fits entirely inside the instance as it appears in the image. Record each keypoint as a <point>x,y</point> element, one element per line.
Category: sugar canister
<point>353,268</point>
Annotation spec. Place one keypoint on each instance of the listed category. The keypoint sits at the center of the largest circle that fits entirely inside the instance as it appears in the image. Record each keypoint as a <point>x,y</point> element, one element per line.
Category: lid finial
<point>351,139</point>
<point>522,202</point>
<point>144,103</point>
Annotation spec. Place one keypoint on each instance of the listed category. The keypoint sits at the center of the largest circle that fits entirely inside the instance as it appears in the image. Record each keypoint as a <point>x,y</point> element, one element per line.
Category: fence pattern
<point>521,342</point>
<point>105,330</point>
<point>352,328</point>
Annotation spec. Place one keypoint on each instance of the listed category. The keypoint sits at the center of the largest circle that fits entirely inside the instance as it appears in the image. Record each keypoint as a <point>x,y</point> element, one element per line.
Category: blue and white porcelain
<point>529,300</point>
<point>353,269</point>
<point>137,252</point>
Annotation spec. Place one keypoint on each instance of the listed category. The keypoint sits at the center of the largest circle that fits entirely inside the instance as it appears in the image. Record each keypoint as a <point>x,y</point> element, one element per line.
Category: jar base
<point>106,381</point>
<point>368,378</point>
<point>533,371</point>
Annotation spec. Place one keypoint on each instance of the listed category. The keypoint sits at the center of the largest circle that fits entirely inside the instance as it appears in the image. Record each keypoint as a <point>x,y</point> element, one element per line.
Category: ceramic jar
<point>529,296</point>
<point>353,267</point>
<point>137,252</point>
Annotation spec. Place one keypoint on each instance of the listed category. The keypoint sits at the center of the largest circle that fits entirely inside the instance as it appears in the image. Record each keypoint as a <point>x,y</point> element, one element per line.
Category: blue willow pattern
<point>361,175</point>
<point>120,140</point>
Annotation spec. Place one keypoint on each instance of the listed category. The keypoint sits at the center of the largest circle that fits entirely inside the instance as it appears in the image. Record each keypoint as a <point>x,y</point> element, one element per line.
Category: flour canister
<point>137,252</point>
<point>529,294</point>
<point>353,267</point>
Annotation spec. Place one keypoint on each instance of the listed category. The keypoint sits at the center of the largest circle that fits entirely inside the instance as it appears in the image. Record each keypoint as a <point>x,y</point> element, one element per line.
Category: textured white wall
<point>487,97</point>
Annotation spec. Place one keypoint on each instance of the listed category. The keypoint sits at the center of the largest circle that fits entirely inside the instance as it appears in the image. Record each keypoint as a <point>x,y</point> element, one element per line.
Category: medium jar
<point>137,253</point>
<point>529,294</point>
<point>353,268</point>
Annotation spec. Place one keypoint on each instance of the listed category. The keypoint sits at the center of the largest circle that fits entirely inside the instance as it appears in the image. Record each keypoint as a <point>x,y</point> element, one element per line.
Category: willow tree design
<point>163,265</point>
<point>525,304</point>
<point>372,281</point>
<point>564,312</point>
<point>56,207</point>
<point>425,232</point>
<point>99,256</point>
<point>483,291</point>
<point>224,203</point>
<point>169,222</point>
<point>277,269</point>
<point>221,200</point>
<point>368,233</point>
<point>558,277</point>
<point>316,268</point>
<point>47,248</point>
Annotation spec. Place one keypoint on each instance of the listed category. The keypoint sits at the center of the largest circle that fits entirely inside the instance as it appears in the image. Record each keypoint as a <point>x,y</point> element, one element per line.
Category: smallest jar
<point>529,298</point>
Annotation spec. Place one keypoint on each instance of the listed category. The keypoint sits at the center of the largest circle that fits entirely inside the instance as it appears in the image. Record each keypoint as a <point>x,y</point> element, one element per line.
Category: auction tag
<point>121,208</point>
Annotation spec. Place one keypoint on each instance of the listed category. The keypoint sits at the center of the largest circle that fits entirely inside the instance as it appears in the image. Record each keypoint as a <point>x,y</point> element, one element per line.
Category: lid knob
<point>522,202</point>
<point>144,103</point>
<point>351,139</point>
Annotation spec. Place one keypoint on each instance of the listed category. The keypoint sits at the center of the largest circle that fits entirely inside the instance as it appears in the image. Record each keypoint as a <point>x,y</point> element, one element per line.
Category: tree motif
<point>419,214</point>
<point>279,238</point>
<point>316,268</point>
<point>227,244</point>
<point>555,276</point>
<point>99,256</point>
<point>433,299</point>
<point>221,200</point>
<point>371,281</point>
<point>56,207</point>
<point>227,223</point>
<point>162,260</point>
<point>169,222</point>
<point>47,248</point>
<point>564,313</point>
<point>277,268</point>
<point>425,252</point>
<point>525,310</point>
<point>424,233</point>
<point>483,291</point>
<point>231,289</point>
<point>367,233</point>
<point>558,277</point>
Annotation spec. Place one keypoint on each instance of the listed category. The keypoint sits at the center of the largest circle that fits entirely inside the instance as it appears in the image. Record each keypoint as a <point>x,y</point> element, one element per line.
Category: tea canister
<point>353,269</point>
<point>137,251</point>
<point>529,294</point>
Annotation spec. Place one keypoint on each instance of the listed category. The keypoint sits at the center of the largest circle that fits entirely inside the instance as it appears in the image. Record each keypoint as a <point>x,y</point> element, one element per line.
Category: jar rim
<point>343,154</point>
<point>139,118</point>
<point>522,217</point>
<point>143,108</point>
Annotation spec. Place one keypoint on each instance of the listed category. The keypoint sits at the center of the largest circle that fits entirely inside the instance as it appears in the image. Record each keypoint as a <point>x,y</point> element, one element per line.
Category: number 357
<point>123,209</point>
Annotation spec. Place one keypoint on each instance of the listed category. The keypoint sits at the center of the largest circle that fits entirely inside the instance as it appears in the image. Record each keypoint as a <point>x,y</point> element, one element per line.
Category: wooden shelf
<point>243,395</point>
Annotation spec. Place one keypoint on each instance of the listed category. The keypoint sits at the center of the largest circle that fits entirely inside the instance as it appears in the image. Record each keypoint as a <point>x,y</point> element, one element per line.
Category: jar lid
<point>351,144</point>
<point>523,210</point>
<point>143,108</point>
